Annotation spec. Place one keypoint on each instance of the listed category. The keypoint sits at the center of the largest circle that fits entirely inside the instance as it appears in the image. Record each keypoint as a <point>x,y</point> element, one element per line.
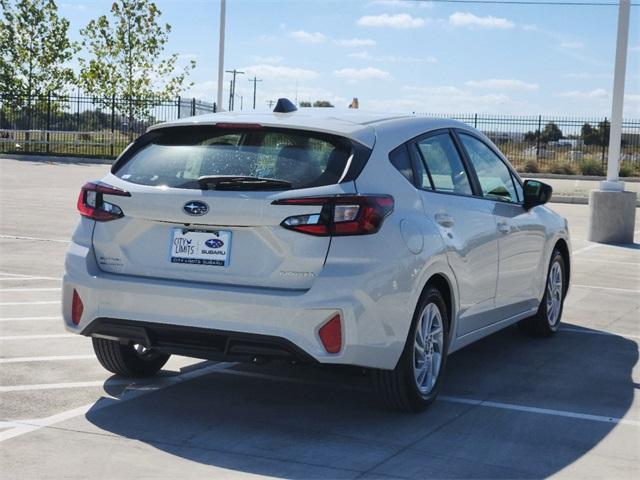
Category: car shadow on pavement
<point>308,422</point>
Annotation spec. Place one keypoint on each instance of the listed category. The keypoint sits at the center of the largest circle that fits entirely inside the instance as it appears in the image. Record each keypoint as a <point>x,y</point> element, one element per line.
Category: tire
<point>126,360</point>
<point>401,389</point>
<point>547,319</point>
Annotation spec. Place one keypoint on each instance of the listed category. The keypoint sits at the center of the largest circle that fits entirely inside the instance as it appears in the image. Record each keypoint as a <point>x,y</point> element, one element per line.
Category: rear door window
<point>181,157</point>
<point>444,165</point>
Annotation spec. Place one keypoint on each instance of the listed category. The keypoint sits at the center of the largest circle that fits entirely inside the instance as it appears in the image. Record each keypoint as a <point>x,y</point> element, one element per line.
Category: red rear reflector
<point>331,335</point>
<point>76,308</point>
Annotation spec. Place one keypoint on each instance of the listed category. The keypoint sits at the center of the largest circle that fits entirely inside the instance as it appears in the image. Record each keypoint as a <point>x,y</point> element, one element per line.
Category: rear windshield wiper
<point>242,183</point>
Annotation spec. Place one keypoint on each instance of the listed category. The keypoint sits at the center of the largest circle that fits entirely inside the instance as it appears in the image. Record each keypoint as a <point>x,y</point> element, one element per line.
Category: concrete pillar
<point>613,216</point>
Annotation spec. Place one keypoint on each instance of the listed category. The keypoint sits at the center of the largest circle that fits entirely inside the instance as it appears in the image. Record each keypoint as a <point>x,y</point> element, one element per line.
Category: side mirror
<point>536,193</point>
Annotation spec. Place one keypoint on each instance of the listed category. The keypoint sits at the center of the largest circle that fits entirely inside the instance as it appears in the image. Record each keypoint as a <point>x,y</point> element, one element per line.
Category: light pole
<point>221,52</point>
<point>612,217</point>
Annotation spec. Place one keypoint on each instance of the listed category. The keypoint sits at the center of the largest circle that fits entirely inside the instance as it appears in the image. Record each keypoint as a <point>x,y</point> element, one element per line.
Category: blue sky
<point>405,55</point>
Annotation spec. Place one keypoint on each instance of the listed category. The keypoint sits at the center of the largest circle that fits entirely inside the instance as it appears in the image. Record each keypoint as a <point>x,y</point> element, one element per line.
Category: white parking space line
<point>20,275</point>
<point>52,302</point>
<point>20,279</point>
<point>468,401</point>
<point>57,386</point>
<point>38,239</point>
<point>38,337</point>
<point>541,411</point>
<point>587,248</point>
<point>26,426</point>
<point>52,289</point>
<point>29,319</point>
<point>626,290</point>
<point>53,358</point>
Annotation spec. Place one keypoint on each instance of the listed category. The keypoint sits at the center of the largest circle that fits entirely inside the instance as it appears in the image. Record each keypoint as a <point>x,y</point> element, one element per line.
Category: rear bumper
<point>197,342</point>
<point>224,314</point>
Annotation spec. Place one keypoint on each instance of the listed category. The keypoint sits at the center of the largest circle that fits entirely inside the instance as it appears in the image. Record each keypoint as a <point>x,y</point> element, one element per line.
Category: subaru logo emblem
<point>195,208</point>
<point>214,243</point>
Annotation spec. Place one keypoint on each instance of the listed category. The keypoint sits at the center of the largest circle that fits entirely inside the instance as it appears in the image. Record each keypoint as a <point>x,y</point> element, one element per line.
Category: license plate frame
<point>187,246</point>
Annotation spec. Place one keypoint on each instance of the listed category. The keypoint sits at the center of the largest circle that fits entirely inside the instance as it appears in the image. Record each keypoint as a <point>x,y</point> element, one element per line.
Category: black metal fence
<point>566,145</point>
<point>83,125</point>
<point>91,126</point>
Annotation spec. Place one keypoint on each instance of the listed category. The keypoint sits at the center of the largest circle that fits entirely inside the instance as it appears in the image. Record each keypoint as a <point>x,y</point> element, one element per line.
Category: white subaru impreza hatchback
<point>384,242</point>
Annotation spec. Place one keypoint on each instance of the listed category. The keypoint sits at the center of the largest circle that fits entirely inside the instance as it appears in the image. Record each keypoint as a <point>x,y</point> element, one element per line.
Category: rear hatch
<point>200,204</point>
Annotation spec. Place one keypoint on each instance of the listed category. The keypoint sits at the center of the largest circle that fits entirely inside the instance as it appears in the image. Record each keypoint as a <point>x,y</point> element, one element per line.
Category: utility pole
<point>230,93</point>
<point>270,103</point>
<point>233,87</point>
<point>255,80</point>
<point>241,101</point>
<point>612,216</point>
<point>221,52</point>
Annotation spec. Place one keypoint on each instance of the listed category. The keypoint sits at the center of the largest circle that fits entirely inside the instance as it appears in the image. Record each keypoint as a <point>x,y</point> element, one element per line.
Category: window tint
<point>178,156</point>
<point>444,165</point>
<point>400,159</point>
<point>494,176</point>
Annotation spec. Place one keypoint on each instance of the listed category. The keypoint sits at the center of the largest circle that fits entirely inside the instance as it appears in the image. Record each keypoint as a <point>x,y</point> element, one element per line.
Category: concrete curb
<point>558,176</point>
<point>576,200</point>
<point>56,159</point>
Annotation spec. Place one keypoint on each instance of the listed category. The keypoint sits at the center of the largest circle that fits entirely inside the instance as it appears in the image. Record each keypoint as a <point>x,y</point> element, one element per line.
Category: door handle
<point>504,227</point>
<point>444,220</point>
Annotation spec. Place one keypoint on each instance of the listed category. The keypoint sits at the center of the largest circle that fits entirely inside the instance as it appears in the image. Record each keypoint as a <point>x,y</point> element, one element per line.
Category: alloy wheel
<point>428,348</point>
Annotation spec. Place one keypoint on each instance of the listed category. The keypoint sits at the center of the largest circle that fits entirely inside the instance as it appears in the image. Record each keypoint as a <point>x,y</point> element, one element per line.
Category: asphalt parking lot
<point>511,407</point>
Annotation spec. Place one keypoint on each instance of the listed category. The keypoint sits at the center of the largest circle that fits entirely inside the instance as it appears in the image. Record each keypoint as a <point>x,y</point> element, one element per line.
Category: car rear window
<point>181,157</point>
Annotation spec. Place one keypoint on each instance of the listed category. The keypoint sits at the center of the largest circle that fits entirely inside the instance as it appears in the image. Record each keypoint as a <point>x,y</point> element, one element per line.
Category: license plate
<point>200,247</point>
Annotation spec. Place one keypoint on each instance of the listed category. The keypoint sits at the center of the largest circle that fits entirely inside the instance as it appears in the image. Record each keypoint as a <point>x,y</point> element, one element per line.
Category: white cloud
<point>267,59</point>
<point>503,84</point>
<point>356,74</point>
<point>356,42</point>
<point>400,20</point>
<point>591,94</point>
<point>392,58</point>
<point>466,19</point>
<point>442,99</point>
<point>571,45</point>
<point>308,37</point>
<point>280,72</point>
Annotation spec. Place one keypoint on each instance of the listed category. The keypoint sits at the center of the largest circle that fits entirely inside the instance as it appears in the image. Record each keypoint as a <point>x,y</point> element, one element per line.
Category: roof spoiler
<point>284,105</point>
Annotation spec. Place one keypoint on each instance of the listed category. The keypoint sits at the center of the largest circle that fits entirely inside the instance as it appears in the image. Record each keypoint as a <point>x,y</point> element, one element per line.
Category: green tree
<point>34,55</point>
<point>551,133</point>
<point>304,104</point>
<point>595,136</point>
<point>127,60</point>
<point>322,103</point>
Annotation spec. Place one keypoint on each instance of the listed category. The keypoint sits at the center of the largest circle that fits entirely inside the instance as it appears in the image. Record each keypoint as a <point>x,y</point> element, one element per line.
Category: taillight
<point>331,335</point>
<point>340,215</point>
<point>91,202</point>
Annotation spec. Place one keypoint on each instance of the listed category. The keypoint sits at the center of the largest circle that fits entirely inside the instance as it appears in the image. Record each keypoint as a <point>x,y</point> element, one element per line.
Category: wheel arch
<point>562,246</point>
